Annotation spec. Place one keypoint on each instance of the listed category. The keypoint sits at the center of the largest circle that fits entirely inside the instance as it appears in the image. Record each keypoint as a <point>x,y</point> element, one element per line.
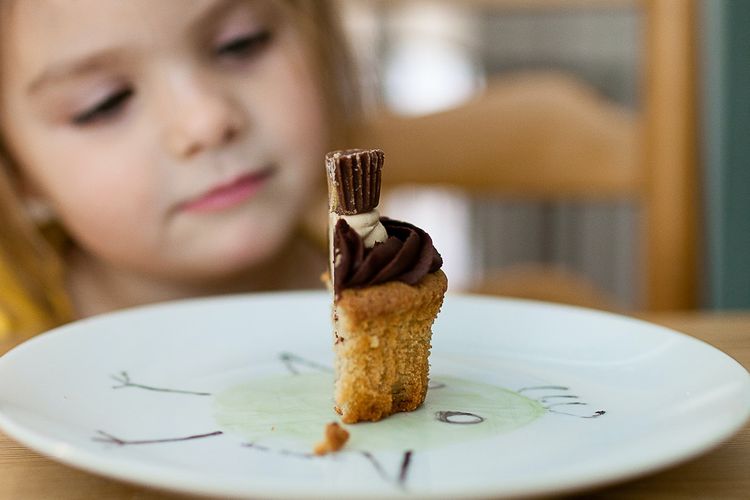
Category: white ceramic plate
<point>227,397</point>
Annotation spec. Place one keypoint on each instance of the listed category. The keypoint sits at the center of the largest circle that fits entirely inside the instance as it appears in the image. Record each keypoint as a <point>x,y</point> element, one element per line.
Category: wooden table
<point>722,473</point>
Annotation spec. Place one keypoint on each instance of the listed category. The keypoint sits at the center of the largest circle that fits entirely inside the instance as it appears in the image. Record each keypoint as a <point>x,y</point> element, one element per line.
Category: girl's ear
<point>38,209</point>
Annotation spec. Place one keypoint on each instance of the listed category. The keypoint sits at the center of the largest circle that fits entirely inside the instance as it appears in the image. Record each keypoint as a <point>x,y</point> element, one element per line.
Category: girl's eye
<point>106,108</point>
<point>244,46</point>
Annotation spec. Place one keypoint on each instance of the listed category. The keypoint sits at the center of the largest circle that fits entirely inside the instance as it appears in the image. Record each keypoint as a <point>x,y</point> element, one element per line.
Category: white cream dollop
<point>368,227</point>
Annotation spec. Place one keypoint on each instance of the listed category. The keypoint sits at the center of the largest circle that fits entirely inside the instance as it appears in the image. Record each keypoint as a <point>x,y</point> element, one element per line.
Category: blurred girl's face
<point>173,137</point>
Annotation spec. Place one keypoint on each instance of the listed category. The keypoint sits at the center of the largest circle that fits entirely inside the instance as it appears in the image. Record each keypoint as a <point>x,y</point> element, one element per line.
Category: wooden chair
<point>547,136</point>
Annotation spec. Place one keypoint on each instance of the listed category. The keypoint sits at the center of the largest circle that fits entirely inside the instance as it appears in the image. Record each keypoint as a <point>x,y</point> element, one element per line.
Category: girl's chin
<point>217,260</point>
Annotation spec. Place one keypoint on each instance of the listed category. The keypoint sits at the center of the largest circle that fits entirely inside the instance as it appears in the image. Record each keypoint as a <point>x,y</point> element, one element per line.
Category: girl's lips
<point>229,195</point>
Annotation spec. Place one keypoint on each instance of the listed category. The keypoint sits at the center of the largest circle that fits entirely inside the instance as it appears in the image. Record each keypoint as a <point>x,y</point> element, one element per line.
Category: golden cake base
<point>382,337</point>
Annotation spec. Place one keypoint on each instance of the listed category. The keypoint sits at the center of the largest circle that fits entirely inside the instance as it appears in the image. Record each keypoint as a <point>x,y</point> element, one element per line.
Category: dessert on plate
<point>387,291</point>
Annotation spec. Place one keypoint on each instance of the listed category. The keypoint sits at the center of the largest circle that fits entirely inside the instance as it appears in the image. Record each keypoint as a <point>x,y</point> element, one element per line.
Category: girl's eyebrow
<point>209,14</point>
<point>95,61</point>
<point>69,69</point>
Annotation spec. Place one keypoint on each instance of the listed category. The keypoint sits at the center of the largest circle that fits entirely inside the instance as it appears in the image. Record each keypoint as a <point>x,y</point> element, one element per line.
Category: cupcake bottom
<point>382,337</point>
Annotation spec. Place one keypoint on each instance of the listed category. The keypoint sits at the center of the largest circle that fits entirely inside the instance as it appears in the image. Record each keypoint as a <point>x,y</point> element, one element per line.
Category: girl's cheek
<point>89,173</point>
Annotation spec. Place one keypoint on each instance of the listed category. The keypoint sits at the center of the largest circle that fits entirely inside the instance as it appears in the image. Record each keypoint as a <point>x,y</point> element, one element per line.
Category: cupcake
<point>387,291</point>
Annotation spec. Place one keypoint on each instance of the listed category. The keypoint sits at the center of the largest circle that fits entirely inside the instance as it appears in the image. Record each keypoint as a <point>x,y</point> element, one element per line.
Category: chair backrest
<point>548,136</point>
<point>536,135</point>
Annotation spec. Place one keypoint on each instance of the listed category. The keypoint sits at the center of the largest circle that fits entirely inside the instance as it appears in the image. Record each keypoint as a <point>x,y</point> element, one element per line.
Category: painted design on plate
<point>285,415</point>
<point>110,439</point>
<point>552,396</point>
<point>125,381</point>
<point>290,411</point>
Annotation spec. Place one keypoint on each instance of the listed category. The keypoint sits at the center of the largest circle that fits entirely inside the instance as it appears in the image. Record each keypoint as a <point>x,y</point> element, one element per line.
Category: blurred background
<point>628,190</point>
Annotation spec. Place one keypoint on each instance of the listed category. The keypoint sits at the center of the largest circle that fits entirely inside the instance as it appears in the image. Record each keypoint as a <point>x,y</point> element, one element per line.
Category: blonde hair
<point>32,287</point>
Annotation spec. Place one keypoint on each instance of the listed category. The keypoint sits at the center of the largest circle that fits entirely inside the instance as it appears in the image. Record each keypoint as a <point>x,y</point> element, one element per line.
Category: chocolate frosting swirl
<point>407,256</point>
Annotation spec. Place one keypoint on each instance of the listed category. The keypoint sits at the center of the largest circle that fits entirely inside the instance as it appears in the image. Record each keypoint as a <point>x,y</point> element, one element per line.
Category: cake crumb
<point>334,439</point>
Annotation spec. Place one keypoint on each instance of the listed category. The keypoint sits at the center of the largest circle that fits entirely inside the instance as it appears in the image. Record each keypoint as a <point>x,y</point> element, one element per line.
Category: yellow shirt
<point>37,300</point>
<point>21,316</point>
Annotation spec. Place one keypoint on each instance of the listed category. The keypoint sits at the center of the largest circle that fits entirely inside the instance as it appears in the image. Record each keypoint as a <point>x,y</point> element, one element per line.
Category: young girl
<point>179,144</point>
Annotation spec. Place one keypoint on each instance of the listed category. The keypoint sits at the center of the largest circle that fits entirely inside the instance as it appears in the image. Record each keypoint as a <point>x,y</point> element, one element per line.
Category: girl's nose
<point>203,118</point>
